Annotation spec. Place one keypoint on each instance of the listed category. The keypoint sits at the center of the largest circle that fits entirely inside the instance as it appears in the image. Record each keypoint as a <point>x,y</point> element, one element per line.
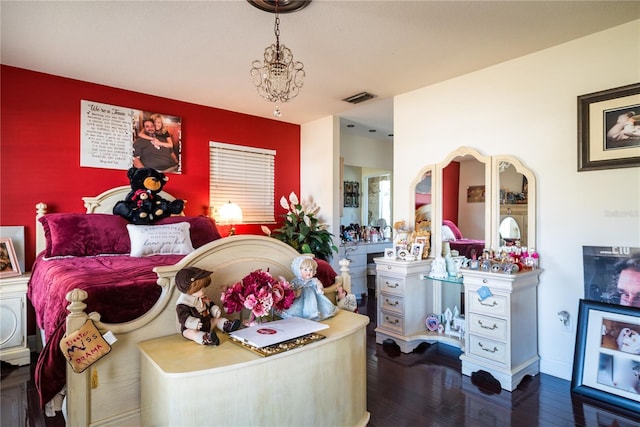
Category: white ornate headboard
<point>103,203</point>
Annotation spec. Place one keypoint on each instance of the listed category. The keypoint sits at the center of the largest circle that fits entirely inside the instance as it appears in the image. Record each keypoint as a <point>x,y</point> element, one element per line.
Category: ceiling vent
<point>359,97</point>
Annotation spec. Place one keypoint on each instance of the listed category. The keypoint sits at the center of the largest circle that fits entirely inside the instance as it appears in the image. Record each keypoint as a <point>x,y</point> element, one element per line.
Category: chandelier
<point>278,78</point>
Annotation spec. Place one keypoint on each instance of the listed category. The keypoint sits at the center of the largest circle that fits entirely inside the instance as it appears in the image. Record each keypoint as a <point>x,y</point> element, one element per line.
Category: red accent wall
<point>450,190</point>
<point>40,147</point>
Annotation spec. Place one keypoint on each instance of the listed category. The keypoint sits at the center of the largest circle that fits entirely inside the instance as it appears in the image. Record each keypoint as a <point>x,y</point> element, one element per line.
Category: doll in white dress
<point>310,302</point>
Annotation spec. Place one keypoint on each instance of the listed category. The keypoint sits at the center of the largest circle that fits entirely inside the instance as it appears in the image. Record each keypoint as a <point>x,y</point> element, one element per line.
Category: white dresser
<point>501,335</point>
<point>357,254</point>
<point>13,320</point>
<point>403,302</point>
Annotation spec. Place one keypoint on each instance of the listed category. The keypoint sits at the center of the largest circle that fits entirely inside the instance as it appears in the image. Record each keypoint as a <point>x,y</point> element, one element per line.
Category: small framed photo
<point>606,364</point>
<point>609,129</point>
<point>416,250</point>
<point>390,253</point>
<point>9,265</point>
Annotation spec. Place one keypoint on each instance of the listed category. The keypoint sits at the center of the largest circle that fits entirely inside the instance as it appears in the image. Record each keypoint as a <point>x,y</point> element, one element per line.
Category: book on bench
<point>271,333</point>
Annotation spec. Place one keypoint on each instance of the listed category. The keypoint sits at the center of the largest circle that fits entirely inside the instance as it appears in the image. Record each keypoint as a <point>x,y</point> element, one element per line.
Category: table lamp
<point>230,214</point>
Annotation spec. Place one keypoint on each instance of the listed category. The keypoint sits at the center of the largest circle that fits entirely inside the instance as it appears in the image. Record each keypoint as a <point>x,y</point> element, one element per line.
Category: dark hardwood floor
<point>424,388</point>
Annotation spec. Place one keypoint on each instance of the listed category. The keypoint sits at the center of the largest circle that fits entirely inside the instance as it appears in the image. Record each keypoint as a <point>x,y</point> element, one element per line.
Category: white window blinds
<point>242,175</point>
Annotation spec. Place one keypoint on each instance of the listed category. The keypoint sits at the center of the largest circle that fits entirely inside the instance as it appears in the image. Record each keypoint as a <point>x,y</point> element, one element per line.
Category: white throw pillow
<point>447,234</point>
<point>160,239</point>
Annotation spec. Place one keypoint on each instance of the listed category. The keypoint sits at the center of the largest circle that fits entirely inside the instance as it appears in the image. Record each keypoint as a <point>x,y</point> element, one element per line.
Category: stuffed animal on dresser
<point>144,204</point>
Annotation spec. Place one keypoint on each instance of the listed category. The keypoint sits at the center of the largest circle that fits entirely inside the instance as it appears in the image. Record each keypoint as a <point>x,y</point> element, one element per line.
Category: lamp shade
<point>230,213</point>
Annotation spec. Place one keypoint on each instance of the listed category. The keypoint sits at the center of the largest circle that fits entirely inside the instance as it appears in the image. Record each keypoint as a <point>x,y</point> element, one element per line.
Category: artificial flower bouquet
<point>260,293</point>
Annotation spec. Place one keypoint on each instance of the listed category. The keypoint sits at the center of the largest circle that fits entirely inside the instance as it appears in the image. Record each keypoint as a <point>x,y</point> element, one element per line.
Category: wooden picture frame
<point>609,129</point>
<point>9,265</point>
<point>606,365</point>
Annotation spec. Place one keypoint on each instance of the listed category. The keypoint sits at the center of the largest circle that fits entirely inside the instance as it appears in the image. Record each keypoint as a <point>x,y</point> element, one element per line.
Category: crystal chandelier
<point>278,78</point>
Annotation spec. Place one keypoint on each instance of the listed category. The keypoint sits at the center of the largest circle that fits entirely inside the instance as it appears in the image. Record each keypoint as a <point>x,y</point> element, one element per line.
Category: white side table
<point>13,320</point>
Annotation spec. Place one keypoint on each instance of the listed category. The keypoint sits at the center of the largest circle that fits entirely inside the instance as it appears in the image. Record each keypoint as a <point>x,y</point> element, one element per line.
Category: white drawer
<point>490,327</point>
<point>495,305</point>
<point>487,349</point>
<point>392,322</point>
<point>393,269</point>
<point>390,284</point>
<point>391,302</point>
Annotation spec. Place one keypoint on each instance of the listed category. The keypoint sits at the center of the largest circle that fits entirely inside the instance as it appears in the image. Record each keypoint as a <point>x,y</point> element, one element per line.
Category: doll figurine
<point>346,301</point>
<point>197,315</point>
<point>310,302</point>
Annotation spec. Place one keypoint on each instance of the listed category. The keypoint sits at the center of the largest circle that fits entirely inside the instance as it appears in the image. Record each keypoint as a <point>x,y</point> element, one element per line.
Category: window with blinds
<point>242,175</point>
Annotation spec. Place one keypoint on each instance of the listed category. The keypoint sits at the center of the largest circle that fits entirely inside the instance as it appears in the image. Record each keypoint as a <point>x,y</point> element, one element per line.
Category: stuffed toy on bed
<point>143,204</point>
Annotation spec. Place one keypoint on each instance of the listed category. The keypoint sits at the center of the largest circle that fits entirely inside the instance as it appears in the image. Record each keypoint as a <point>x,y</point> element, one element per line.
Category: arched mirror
<point>423,210</point>
<point>463,214</point>
<point>515,201</point>
<point>471,194</point>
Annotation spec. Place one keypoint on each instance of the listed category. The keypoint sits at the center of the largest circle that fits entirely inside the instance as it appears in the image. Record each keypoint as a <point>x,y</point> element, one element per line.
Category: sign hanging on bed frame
<point>113,137</point>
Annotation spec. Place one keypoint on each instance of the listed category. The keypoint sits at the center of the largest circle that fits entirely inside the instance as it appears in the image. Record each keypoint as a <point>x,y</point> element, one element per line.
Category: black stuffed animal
<point>143,204</point>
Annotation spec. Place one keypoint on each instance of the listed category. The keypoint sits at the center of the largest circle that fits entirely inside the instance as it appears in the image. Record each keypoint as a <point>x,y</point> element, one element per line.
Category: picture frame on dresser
<point>606,364</point>
<point>609,129</point>
<point>9,265</point>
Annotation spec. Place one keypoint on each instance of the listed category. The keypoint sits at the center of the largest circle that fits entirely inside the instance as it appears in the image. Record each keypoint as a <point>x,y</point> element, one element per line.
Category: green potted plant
<point>302,230</point>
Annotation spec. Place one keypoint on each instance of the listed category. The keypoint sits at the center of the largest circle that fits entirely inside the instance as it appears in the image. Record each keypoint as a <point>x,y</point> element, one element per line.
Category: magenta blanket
<point>120,288</point>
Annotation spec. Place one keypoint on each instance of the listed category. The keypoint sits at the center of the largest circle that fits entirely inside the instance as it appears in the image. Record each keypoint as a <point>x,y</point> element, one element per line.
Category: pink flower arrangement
<point>259,292</point>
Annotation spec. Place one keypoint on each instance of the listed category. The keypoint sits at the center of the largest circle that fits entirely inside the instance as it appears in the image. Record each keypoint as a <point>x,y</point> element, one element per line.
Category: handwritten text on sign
<point>106,135</point>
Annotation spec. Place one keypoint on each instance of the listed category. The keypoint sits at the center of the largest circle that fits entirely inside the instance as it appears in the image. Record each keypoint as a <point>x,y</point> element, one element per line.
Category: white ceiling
<point>201,51</point>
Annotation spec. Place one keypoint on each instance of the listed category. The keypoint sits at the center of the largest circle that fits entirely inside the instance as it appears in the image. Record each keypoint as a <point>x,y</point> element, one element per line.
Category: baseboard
<point>556,368</point>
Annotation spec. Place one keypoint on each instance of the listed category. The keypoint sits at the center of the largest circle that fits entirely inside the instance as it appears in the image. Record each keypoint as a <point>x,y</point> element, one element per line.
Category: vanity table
<point>501,332</point>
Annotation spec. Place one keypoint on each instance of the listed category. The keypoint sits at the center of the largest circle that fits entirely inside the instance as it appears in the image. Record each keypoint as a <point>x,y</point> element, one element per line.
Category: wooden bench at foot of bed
<point>320,384</point>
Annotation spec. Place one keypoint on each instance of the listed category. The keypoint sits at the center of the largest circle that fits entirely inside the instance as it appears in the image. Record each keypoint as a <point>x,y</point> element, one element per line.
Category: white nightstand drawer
<point>390,284</point>
<point>488,349</point>
<point>489,327</point>
<point>391,322</point>
<point>391,303</point>
<point>495,305</point>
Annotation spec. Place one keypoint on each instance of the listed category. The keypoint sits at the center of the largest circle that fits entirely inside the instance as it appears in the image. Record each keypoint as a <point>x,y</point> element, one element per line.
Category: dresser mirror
<point>477,193</point>
<point>515,199</point>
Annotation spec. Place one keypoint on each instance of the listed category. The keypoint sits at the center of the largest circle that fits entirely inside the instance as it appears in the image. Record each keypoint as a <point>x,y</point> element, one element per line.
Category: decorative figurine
<point>310,302</point>
<point>346,301</point>
<point>197,315</point>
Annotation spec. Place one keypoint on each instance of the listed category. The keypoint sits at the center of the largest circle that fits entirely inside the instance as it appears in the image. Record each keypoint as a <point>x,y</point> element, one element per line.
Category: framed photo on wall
<point>9,265</point>
<point>609,129</point>
<point>606,364</point>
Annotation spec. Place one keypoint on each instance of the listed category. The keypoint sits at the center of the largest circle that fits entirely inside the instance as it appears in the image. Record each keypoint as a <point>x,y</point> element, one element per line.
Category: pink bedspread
<point>120,288</point>
<point>466,246</point>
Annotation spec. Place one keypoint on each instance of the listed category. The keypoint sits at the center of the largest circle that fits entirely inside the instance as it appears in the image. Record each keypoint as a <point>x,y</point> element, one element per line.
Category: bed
<point>465,247</point>
<point>133,297</point>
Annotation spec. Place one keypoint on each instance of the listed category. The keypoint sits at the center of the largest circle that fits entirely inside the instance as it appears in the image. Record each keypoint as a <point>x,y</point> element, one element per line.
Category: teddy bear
<point>144,204</point>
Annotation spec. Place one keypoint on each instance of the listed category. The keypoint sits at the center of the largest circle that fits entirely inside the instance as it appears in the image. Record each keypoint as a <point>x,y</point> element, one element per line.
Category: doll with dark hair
<point>197,315</point>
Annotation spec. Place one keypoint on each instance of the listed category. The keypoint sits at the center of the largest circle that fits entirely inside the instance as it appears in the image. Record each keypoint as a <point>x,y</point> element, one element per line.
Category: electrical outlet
<point>565,319</point>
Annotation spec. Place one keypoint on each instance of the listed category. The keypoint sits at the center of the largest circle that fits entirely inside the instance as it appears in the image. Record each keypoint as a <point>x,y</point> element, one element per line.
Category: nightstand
<point>13,320</point>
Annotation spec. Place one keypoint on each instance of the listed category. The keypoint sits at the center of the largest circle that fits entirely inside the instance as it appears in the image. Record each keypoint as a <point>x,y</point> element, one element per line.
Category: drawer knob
<point>390,303</point>
<point>389,267</point>
<point>395,321</point>
<point>493,303</point>
<point>487,327</point>
<point>490,350</point>
<point>485,281</point>
<point>392,285</point>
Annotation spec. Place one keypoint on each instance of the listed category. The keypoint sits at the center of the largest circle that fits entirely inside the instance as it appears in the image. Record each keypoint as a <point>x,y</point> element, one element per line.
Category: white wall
<point>527,108</point>
<point>320,170</point>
